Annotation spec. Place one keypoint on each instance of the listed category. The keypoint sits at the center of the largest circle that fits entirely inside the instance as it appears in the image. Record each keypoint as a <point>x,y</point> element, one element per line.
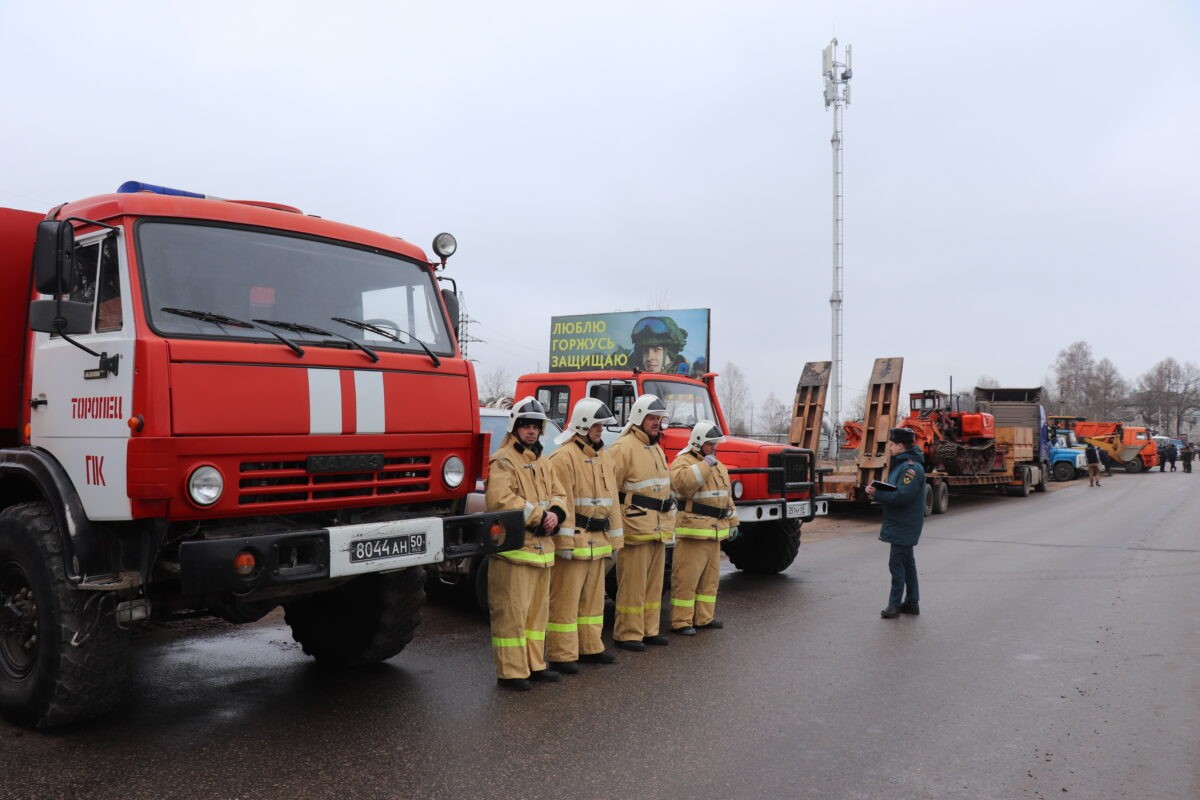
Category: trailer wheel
<point>1040,486</point>
<point>764,547</point>
<point>928,499</point>
<point>1134,465</point>
<point>63,658</point>
<point>941,498</point>
<point>1064,471</point>
<point>1023,489</point>
<point>367,620</point>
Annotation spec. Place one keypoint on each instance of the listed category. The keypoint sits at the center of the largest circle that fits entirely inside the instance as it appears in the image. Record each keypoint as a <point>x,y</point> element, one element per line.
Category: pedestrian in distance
<point>648,517</point>
<point>903,518</point>
<point>1162,457</point>
<point>519,580</point>
<point>1186,454</point>
<point>586,540</point>
<point>706,516</point>
<point>1092,455</point>
<point>1172,454</point>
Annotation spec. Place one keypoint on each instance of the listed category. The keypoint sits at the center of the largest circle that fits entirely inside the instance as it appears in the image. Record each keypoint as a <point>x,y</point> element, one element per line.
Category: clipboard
<point>882,486</point>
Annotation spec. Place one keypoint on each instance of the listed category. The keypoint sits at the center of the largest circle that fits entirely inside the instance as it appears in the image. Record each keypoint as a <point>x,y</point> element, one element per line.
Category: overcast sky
<point>1018,175</point>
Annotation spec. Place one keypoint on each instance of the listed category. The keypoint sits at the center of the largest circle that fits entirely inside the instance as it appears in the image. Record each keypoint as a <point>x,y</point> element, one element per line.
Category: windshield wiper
<point>300,327</point>
<point>366,326</point>
<point>221,319</point>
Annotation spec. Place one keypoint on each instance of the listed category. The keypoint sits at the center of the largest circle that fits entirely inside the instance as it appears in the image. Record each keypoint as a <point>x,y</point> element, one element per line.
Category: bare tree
<point>1108,392</point>
<point>735,399</point>
<point>1169,394</point>
<point>1073,374</point>
<point>495,385</point>
<point>774,419</point>
<point>987,382</point>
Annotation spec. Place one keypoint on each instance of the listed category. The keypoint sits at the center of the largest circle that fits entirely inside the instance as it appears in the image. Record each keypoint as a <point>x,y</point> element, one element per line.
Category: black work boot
<point>910,607</point>
<point>603,657</point>
<point>545,676</point>
<point>891,612</point>
<point>565,667</point>
<point>714,625</point>
<point>660,641</point>
<point>515,684</point>
<point>686,630</point>
<point>630,644</point>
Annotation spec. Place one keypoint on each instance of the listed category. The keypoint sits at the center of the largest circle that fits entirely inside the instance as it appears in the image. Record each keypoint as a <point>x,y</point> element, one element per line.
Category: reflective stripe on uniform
<point>525,555</point>
<point>712,493</point>
<point>593,501</point>
<point>675,601</point>
<point>616,532</point>
<point>562,627</point>
<point>706,598</point>
<point>646,484</point>
<point>528,511</point>
<point>596,620</point>
<point>703,533</point>
<point>653,606</point>
<point>698,475</point>
<point>631,609</point>
<point>594,552</point>
<point>499,641</point>
<point>565,532</point>
<point>537,636</point>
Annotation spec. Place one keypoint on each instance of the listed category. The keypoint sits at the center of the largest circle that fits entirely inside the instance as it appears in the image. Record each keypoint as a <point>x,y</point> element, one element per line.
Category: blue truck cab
<point>1067,459</point>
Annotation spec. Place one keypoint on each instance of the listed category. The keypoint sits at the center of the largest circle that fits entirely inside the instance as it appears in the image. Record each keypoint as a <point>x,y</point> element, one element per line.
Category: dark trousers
<point>904,575</point>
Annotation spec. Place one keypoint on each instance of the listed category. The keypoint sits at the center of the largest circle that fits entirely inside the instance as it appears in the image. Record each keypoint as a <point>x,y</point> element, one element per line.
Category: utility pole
<point>837,94</point>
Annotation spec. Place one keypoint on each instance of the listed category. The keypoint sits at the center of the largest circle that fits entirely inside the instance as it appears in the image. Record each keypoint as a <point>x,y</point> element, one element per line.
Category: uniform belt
<point>651,503</point>
<point>593,523</point>
<point>703,510</point>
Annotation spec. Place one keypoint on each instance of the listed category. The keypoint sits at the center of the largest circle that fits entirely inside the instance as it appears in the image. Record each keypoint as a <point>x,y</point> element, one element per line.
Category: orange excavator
<point>960,442</point>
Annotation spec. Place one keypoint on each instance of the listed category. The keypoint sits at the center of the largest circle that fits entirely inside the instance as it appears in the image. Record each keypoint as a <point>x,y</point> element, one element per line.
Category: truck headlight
<point>738,490</point>
<point>205,485</point>
<point>453,472</point>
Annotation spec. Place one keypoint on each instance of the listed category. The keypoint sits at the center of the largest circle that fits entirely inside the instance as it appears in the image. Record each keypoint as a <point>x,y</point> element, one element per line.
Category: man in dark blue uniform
<point>903,518</point>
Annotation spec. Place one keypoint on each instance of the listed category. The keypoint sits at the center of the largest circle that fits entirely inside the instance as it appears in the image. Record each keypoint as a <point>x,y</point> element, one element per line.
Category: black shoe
<point>603,657</point>
<point>715,625</point>
<point>630,644</point>
<point>545,676</point>
<point>565,667</point>
<point>891,612</point>
<point>516,684</point>
<point>687,631</point>
<point>910,608</point>
<point>660,641</point>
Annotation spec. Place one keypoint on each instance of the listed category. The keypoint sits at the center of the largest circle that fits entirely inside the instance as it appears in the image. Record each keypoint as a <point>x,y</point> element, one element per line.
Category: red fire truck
<point>222,407</point>
<point>775,487</point>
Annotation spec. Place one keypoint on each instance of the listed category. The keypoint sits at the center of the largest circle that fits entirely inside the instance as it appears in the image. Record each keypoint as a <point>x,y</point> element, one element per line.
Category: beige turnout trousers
<point>695,574</point>
<point>576,608</point>
<point>639,590</point>
<point>519,597</point>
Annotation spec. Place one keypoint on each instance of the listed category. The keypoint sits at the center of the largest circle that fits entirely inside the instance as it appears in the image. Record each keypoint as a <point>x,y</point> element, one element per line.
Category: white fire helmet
<point>705,431</point>
<point>527,408</point>
<point>587,412</point>
<point>648,405</point>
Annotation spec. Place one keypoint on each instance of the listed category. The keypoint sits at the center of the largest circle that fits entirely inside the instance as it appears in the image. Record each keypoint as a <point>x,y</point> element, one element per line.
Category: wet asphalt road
<point>1057,655</point>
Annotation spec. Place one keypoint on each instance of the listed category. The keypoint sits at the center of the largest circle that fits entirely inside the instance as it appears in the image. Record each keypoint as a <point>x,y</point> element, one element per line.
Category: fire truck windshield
<point>298,282</point>
<point>687,402</point>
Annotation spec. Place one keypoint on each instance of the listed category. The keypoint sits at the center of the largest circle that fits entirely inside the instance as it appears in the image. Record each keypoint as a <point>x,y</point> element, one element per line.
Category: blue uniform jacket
<point>904,509</point>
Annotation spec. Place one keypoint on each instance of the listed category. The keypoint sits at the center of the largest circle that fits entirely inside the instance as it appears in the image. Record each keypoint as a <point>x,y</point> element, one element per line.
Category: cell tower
<point>837,94</point>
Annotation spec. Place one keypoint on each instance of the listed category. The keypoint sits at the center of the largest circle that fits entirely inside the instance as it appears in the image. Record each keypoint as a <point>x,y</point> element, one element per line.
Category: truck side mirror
<point>451,300</point>
<point>60,316</point>
<point>53,256</point>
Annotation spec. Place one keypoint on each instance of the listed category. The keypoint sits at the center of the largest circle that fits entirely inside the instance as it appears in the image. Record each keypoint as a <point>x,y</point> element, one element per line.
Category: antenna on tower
<point>837,76</point>
<point>464,326</point>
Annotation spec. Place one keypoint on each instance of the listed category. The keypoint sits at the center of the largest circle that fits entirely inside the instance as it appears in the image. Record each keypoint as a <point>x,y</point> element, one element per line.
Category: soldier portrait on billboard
<point>657,346</point>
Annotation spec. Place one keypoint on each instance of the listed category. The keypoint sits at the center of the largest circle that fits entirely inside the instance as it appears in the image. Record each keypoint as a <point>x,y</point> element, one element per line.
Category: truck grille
<point>290,482</point>
<point>796,469</point>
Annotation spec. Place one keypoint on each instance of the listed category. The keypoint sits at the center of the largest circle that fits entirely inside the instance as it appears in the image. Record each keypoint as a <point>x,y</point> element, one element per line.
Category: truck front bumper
<point>767,510</point>
<point>210,565</point>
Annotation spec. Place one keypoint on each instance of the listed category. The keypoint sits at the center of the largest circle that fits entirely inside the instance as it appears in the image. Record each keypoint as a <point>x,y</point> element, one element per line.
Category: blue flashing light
<point>129,187</point>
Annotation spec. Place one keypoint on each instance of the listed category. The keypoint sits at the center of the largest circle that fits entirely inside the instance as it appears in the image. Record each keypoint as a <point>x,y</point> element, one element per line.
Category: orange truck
<point>776,487</point>
<point>1128,446</point>
<point>221,407</point>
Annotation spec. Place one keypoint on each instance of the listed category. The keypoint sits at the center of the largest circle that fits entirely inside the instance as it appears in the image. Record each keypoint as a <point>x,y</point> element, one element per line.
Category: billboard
<point>674,342</point>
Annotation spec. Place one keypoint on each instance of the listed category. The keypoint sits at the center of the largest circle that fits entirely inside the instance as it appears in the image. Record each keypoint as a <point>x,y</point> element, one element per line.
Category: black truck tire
<point>1134,464</point>
<point>941,498</point>
<point>367,620</point>
<point>63,658</point>
<point>1040,486</point>
<point>1064,471</point>
<point>928,499</point>
<point>764,547</point>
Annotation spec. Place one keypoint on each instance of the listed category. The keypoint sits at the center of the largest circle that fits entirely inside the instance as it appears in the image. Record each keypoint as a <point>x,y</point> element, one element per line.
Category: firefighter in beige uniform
<point>585,541</point>
<point>519,580</point>
<point>648,517</point>
<point>705,518</point>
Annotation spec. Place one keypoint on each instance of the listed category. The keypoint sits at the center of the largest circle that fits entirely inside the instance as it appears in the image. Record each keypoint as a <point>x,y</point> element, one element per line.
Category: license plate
<point>798,509</point>
<point>406,544</point>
